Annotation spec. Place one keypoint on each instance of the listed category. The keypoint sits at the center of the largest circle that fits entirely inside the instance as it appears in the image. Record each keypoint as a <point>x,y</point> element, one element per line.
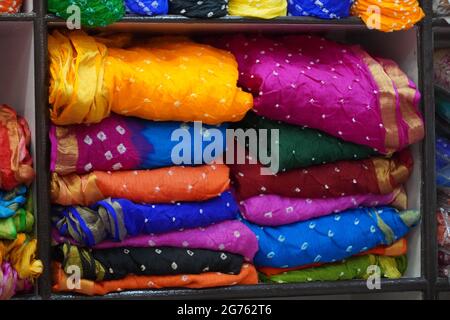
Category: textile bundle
<point>328,9</point>
<point>18,266</point>
<point>10,6</point>
<point>442,68</point>
<point>132,217</point>
<point>443,162</point>
<point>443,207</point>
<point>205,9</point>
<point>265,9</point>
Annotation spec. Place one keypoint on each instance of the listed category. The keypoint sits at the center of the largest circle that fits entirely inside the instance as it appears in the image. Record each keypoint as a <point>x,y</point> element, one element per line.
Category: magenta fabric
<point>310,81</point>
<point>231,236</point>
<point>274,210</point>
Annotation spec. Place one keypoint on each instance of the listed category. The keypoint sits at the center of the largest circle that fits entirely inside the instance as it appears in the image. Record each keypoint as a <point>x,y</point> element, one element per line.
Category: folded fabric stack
<point>387,15</point>
<point>442,68</point>
<point>10,6</point>
<point>344,121</point>
<point>443,207</point>
<point>18,266</point>
<point>132,209</point>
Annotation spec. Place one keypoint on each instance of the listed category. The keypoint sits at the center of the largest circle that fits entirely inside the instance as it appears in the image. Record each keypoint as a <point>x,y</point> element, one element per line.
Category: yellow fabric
<point>266,9</point>
<point>164,79</point>
<point>388,15</point>
<point>21,253</point>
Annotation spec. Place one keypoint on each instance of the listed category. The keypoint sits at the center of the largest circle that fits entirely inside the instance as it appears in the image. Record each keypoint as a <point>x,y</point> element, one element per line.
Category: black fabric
<point>199,8</point>
<point>116,263</point>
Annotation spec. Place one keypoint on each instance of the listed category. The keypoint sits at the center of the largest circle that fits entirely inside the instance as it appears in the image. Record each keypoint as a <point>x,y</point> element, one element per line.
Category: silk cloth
<point>264,9</point>
<point>10,283</point>
<point>442,68</point>
<point>115,219</point>
<point>337,88</point>
<point>10,6</point>
<point>230,236</point>
<point>16,164</point>
<point>442,162</point>
<point>144,186</point>
<point>11,201</point>
<point>247,276</point>
<point>330,238</point>
<point>334,180</point>
<point>205,9</point>
<point>126,143</point>
<point>324,9</point>
<point>147,7</point>
<point>163,79</point>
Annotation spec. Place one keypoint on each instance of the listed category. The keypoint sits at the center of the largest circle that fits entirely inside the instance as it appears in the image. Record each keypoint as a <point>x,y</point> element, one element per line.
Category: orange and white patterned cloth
<point>10,6</point>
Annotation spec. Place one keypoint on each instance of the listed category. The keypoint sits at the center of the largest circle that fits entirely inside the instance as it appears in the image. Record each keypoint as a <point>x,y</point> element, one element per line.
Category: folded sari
<point>11,201</point>
<point>331,238</point>
<point>273,210</point>
<point>398,248</point>
<point>325,9</point>
<point>10,6</point>
<point>148,186</point>
<point>343,178</point>
<point>230,236</point>
<point>126,143</point>
<point>10,283</point>
<point>247,276</point>
<point>353,268</point>
<point>442,162</point>
<point>265,9</point>
<point>115,219</point>
<point>302,147</point>
<point>336,88</point>
<point>21,254</point>
<point>117,263</point>
<point>442,67</point>
<point>388,15</point>
<point>21,222</point>
<point>93,13</point>
<point>204,9</point>
<point>163,79</point>
<point>15,160</point>
<point>147,7</point>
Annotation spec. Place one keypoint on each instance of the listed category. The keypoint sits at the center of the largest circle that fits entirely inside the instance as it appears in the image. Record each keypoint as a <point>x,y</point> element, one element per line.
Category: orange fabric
<point>10,6</point>
<point>247,276</point>
<point>164,79</point>
<point>397,249</point>
<point>163,185</point>
<point>388,15</point>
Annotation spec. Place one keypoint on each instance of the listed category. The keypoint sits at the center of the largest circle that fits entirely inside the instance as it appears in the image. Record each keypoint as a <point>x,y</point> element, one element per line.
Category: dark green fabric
<point>21,222</point>
<point>352,268</point>
<point>94,13</point>
<point>443,107</point>
<point>303,147</point>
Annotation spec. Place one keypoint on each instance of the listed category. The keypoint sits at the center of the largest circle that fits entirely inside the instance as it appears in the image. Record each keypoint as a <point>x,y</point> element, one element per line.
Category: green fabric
<point>94,13</point>
<point>352,268</point>
<point>443,107</point>
<point>21,222</point>
<point>303,147</point>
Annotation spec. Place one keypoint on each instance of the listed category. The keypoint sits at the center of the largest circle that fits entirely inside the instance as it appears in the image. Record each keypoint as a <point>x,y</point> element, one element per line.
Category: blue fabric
<point>11,201</point>
<point>442,162</point>
<point>147,7</point>
<point>325,9</point>
<point>326,239</point>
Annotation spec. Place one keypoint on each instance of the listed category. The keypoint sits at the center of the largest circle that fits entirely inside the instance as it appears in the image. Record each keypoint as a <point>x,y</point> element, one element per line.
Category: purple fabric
<point>310,81</point>
<point>274,210</point>
<point>231,236</point>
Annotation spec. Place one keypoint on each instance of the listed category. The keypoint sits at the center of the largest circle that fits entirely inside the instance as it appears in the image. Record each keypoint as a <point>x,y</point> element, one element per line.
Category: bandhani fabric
<point>300,146</point>
<point>147,7</point>
<point>441,7</point>
<point>204,9</point>
<point>230,236</point>
<point>353,268</point>
<point>116,263</point>
<point>116,219</point>
<point>145,186</point>
<point>273,210</point>
<point>340,179</point>
<point>325,9</point>
<point>443,107</point>
<point>21,254</point>
<point>265,9</point>
<point>330,238</point>
<point>443,211</point>
<point>443,162</point>
<point>388,15</point>
<point>247,276</point>
<point>93,13</point>
<point>442,68</point>
<point>10,6</point>
<point>11,201</point>
<point>10,283</point>
<point>163,79</point>
<point>125,143</point>
<point>21,222</point>
<point>15,160</point>
<point>398,248</point>
<point>336,88</point>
